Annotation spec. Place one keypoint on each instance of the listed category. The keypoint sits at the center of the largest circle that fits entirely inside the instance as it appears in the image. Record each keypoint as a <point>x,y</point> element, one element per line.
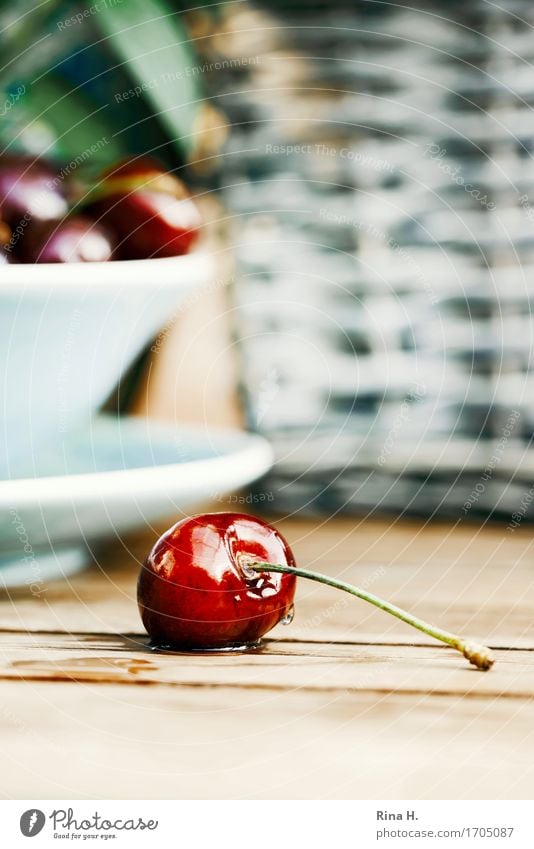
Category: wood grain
<point>69,741</point>
<point>280,665</point>
<point>346,702</point>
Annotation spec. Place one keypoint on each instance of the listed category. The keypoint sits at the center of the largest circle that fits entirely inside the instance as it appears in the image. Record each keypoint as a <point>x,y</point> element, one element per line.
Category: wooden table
<point>345,703</point>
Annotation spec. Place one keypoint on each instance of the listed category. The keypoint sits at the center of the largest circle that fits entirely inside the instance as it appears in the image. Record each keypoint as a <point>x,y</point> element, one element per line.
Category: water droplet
<point>290,615</point>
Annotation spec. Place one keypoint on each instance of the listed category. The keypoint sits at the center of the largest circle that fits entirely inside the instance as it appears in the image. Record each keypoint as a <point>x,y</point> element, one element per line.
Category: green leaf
<point>54,120</point>
<point>29,38</point>
<point>151,38</point>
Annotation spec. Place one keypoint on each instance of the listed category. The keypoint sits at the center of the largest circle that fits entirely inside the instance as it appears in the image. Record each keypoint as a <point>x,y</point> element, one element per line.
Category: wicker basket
<point>381,175</point>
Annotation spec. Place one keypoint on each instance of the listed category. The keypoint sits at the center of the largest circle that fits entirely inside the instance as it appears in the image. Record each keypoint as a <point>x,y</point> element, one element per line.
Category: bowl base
<point>32,572</point>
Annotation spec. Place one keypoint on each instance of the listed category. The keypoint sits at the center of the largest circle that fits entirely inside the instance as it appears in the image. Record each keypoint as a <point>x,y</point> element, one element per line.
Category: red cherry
<point>150,210</point>
<point>194,592</point>
<point>29,189</point>
<point>222,580</point>
<point>76,239</point>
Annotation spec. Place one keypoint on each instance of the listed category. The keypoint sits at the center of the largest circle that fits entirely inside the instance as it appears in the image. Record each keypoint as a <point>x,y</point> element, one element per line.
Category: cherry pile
<point>220,581</point>
<point>134,210</point>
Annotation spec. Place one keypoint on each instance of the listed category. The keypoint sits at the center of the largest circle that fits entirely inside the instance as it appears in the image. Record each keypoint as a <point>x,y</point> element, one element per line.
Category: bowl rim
<point>21,277</point>
<point>244,457</point>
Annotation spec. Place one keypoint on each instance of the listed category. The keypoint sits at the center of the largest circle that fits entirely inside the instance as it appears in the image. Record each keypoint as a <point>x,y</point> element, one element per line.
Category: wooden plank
<point>76,741</point>
<point>341,704</point>
<point>279,666</point>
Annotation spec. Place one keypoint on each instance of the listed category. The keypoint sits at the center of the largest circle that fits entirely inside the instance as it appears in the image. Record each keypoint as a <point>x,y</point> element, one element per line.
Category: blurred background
<point>365,169</point>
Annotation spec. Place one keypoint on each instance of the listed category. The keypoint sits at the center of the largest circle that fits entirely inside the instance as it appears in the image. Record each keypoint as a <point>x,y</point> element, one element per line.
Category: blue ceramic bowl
<point>68,333</point>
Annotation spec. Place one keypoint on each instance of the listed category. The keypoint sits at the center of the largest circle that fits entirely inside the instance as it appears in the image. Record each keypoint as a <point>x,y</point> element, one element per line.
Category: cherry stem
<point>477,654</point>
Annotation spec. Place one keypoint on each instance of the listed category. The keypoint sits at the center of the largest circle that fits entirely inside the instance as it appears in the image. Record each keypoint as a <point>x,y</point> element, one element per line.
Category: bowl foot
<point>34,571</point>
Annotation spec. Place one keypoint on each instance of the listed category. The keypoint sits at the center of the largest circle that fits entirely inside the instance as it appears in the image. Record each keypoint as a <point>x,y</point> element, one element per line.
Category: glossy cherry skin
<point>29,189</point>
<point>76,239</point>
<point>150,210</point>
<point>193,593</point>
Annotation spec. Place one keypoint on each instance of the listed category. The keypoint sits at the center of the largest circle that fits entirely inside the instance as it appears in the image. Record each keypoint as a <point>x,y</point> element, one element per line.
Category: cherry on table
<point>223,580</point>
<point>195,593</point>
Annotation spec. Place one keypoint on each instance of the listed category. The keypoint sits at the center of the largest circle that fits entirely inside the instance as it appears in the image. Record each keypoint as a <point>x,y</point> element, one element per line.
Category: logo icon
<point>32,822</point>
